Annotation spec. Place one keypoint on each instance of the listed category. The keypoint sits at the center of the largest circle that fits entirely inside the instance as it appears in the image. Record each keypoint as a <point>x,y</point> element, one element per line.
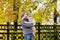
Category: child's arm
<point>28,22</point>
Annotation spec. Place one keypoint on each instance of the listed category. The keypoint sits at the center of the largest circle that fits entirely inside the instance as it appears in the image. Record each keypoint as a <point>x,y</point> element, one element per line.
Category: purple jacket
<point>26,27</point>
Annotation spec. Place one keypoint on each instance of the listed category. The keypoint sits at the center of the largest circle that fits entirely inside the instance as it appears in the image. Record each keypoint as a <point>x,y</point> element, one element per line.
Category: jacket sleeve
<point>26,24</point>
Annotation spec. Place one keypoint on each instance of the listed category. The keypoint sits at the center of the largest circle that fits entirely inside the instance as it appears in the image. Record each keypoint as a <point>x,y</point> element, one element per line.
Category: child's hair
<point>30,15</point>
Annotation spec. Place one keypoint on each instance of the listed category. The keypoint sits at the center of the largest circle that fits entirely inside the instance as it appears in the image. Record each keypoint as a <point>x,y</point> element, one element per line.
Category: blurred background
<point>46,14</point>
<point>42,10</point>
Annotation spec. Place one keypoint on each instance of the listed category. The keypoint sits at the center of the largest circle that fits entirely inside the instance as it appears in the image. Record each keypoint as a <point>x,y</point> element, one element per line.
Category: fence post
<point>55,23</point>
<point>38,31</point>
<point>15,23</point>
<point>15,29</point>
<point>55,33</point>
<point>7,30</point>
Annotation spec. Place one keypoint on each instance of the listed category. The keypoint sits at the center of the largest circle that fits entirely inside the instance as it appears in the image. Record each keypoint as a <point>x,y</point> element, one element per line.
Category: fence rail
<point>43,32</point>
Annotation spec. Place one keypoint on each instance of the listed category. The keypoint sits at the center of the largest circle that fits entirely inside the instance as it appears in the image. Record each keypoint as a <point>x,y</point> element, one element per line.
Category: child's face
<point>30,17</point>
